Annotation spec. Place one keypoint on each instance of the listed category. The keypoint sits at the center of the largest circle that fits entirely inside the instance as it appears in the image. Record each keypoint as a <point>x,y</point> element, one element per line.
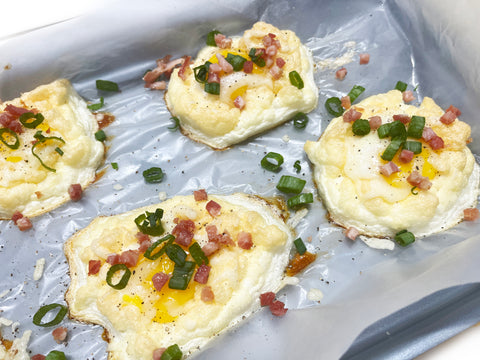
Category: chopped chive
<point>25,117</point>
<point>106,85</point>
<point>176,123</point>
<point>300,246</point>
<point>39,315</point>
<point>256,59</point>
<point>401,86</point>
<point>4,139</point>
<point>404,238</point>
<point>211,38</point>
<point>173,352</point>
<point>414,190</point>
<point>96,106</point>
<point>176,254</point>
<point>212,88</point>
<point>392,149</point>
<point>201,73</point>
<point>154,175</point>
<point>59,151</point>
<point>56,355</point>
<point>291,184</point>
<point>361,127</point>
<point>398,130</point>
<point>42,139</point>
<point>181,275</point>
<point>413,146</point>
<point>122,283</point>
<point>150,223</point>
<point>356,91</point>
<point>416,126</point>
<point>300,121</point>
<point>297,166</point>
<point>236,61</point>
<point>295,79</point>
<point>197,253</point>
<point>272,161</point>
<point>100,135</point>
<point>114,165</point>
<point>334,106</point>
<point>166,239</point>
<point>299,200</point>
<point>384,130</point>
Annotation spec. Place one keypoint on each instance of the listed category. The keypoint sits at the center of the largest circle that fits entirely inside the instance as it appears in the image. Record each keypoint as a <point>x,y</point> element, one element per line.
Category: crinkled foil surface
<point>421,44</point>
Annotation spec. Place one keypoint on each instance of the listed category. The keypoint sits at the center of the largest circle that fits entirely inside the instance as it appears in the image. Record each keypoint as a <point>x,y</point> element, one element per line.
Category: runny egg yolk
<point>169,299</point>
<point>256,69</point>
<point>398,179</point>
<point>14,159</point>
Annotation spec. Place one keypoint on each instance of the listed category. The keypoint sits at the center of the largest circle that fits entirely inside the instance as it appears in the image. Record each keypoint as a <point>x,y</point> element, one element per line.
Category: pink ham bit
<point>129,258</point>
<point>144,241</point>
<point>455,110</point>
<point>248,67</point>
<point>341,73</point>
<point>239,102</point>
<point>408,96</point>
<point>159,280</point>
<point>244,240</point>
<point>94,267</point>
<point>421,182</point>
<point>200,195</point>
<point>364,58</point>
<point>157,353</point>
<point>448,118</point>
<point>346,102</point>
<point>375,122</point>
<point>280,62</point>
<point>207,294</point>
<point>183,232</point>
<point>436,143</point>
<point>222,41</point>
<point>75,192</point>
<point>276,72</point>
<point>278,308</point>
<point>428,133</point>
<point>351,233</point>
<point>224,64</point>
<point>113,259</point>
<point>403,118</point>
<point>351,115</point>
<point>225,239</point>
<point>201,276</point>
<point>38,357</point>
<point>60,334</point>
<point>24,224</point>
<point>184,67</point>
<point>389,168</point>
<point>266,299</point>
<point>406,156</point>
<point>210,248</point>
<point>213,208</point>
<point>471,214</point>
<point>212,232</point>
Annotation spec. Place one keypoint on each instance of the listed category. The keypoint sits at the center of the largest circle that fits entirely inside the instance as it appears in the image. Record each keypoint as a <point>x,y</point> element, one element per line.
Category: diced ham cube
<point>201,276</point>
<point>60,334</point>
<point>406,156</point>
<point>389,168</point>
<point>346,102</point>
<point>278,308</point>
<point>352,233</point>
<point>248,67</point>
<point>402,118</point>
<point>94,267</point>
<point>183,232</point>
<point>448,118</point>
<point>266,299</point>
<point>408,96</point>
<point>75,191</point>
<point>157,353</point>
<point>129,258</point>
<point>159,280</point>
<point>210,248</point>
<point>239,102</point>
<point>364,58</point>
<point>244,240</point>
<point>24,223</point>
<point>375,122</point>
<point>280,62</point>
<point>341,73</point>
<point>213,208</point>
<point>207,294</point>
<point>471,214</point>
<point>351,115</point>
<point>200,195</point>
<point>436,143</point>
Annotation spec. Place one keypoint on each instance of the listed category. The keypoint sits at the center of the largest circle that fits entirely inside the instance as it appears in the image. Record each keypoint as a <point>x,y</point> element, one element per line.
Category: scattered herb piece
<point>176,124</point>
<point>197,253</point>
<point>38,317</point>
<point>300,121</point>
<point>212,88</point>
<point>297,166</point>
<point>356,91</point>
<point>154,175</point>
<point>25,117</point>
<point>106,85</point>
<point>150,223</point>
<point>414,190</point>
<point>361,127</point>
<point>100,135</point>
<point>122,283</point>
<point>211,37</point>
<point>334,106</point>
<point>401,86</point>
<point>10,133</point>
<point>299,200</point>
<point>295,79</point>
<point>59,151</point>
<point>272,161</point>
<point>148,253</point>
<point>300,246</point>
<point>42,139</point>
<point>55,355</point>
<point>404,238</point>
<point>97,106</point>
<point>291,184</point>
<point>236,61</point>
<point>173,352</point>
<point>256,59</point>
<point>114,165</point>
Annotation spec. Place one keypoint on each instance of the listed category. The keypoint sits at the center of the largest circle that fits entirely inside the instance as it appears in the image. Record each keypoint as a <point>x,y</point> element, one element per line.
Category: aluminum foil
<point>406,41</point>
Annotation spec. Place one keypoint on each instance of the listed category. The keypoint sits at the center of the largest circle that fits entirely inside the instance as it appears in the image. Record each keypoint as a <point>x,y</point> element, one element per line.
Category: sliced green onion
<point>384,130</point>
<point>414,190</point>
<point>201,73</point>
<point>334,106</point>
<point>114,165</point>
<point>176,254</point>
<point>100,135</point>
<point>291,184</point>
<point>197,253</point>
<point>297,166</point>
<point>12,133</point>
<point>150,223</point>
<point>106,85</point>
<point>300,246</point>
<point>38,317</point>
<point>211,37</point>
<point>236,61</point>
<point>181,275</point>
<point>361,127</point>
<point>256,59</point>
<point>272,161</point>
<point>59,151</point>
<point>148,253</point>
<point>416,126</point>
<point>176,123</point>
<point>56,355</point>
<point>25,117</point>
<point>401,86</point>
<point>173,352</point>
<point>295,79</point>
<point>356,91</point>
<point>392,149</point>
<point>300,200</point>
<point>122,283</point>
<point>212,88</point>
<point>42,139</point>
<point>300,121</point>
<point>404,238</point>
<point>97,106</point>
<point>413,146</point>
<point>154,175</point>
<point>398,130</point>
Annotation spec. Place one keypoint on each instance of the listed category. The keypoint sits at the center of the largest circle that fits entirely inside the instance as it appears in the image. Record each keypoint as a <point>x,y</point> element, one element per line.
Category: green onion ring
<point>297,166</point>
<point>125,277</point>
<point>100,135</point>
<point>356,91</point>
<point>361,127</point>
<point>181,275</point>
<point>299,200</point>
<point>412,190</point>
<point>150,223</point>
<point>295,79</point>
<point>212,88</point>
<point>13,146</point>
<point>148,253</point>
<point>154,175</point>
<point>404,238</point>
<point>334,106</point>
<point>272,161</point>
<point>201,73</point>
<point>176,124</point>
<point>32,124</point>
<point>176,254</point>
<point>300,121</point>
<point>37,318</point>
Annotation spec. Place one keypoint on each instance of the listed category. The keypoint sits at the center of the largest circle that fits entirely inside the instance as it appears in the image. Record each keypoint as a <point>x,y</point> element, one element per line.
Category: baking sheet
<point>406,41</point>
